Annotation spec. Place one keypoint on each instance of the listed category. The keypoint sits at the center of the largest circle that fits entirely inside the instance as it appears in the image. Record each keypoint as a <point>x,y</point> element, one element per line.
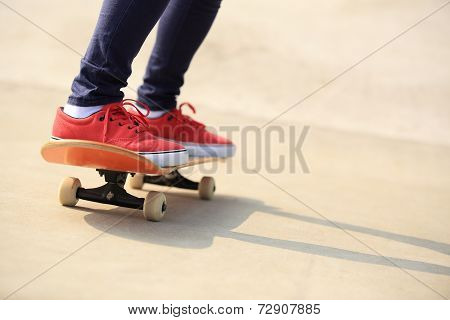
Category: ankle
<point>80,112</point>
<point>156,114</point>
<point>152,114</point>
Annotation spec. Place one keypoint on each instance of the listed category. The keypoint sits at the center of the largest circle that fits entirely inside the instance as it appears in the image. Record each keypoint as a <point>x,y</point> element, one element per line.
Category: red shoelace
<point>184,119</point>
<point>118,112</point>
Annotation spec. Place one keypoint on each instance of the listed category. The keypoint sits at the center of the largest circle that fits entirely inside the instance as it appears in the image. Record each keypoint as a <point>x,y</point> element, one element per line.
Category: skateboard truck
<point>206,187</point>
<point>113,193</point>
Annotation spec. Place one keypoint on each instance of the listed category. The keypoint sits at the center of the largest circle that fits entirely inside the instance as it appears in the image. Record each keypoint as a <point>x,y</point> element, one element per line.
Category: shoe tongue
<point>111,105</point>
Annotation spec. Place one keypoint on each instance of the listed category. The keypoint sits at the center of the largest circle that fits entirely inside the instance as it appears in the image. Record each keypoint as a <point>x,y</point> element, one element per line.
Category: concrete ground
<point>369,221</point>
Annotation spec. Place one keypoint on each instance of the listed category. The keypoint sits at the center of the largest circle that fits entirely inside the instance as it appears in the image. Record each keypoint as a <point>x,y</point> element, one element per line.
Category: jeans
<point>122,28</point>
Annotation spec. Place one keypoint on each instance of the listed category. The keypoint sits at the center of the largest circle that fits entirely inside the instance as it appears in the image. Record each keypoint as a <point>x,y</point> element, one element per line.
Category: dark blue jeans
<point>121,30</point>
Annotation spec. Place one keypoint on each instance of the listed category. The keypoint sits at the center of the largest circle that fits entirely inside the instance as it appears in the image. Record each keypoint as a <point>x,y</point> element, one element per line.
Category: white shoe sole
<point>169,158</point>
<point>209,150</point>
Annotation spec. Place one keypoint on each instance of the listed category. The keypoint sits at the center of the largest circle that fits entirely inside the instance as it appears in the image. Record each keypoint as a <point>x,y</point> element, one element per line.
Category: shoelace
<point>184,119</point>
<point>118,112</point>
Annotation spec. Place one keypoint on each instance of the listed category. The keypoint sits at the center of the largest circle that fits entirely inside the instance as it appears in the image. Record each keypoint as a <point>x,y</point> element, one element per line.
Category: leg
<point>121,30</point>
<point>182,29</point>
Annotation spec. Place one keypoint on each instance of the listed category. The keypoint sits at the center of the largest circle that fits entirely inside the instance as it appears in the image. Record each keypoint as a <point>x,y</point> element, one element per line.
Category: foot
<point>115,126</point>
<point>179,128</point>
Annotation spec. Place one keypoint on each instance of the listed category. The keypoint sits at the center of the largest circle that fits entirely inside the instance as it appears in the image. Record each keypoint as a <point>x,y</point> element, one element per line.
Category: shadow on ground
<point>193,223</point>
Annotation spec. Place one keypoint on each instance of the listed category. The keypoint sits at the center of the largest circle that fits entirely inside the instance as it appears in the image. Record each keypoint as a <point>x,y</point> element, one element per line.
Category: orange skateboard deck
<point>98,155</point>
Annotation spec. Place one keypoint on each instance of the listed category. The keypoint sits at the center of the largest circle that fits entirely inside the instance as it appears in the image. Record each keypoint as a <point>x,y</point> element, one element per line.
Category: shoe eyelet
<point>120,124</point>
<point>111,119</point>
<point>136,131</point>
<point>101,118</point>
<point>130,127</point>
<point>169,118</point>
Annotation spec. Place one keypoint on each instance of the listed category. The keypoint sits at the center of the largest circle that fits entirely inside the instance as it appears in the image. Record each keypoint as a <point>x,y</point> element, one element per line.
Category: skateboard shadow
<point>193,223</point>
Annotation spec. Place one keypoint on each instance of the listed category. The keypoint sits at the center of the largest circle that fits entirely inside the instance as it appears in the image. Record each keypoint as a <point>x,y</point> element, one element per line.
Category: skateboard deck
<point>98,155</point>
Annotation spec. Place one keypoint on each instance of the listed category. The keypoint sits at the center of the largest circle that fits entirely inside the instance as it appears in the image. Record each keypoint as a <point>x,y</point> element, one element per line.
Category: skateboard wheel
<point>206,188</point>
<point>137,181</point>
<point>155,206</point>
<point>68,191</point>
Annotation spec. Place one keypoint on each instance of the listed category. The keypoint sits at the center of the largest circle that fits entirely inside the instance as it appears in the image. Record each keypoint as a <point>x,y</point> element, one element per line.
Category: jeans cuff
<point>79,102</point>
<point>159,104</point>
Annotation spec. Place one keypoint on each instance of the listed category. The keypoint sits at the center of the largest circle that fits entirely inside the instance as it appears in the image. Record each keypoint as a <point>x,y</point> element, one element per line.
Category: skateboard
<point>115,164</point>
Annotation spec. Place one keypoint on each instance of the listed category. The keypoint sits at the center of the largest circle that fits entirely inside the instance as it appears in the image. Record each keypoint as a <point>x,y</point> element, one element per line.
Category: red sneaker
<point>114,125</point>
<point>180,128</point>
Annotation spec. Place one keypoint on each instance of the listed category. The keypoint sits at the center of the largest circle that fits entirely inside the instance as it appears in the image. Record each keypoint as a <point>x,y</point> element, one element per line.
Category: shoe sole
<point>170,158</point>
<point>209,150</point>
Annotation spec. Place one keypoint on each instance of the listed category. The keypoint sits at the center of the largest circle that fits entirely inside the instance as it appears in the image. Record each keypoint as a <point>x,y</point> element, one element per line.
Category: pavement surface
<point>362,211</point>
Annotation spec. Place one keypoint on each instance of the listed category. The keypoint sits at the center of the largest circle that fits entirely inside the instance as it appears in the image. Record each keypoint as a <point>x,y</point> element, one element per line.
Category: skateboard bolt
<point>109,196</point>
